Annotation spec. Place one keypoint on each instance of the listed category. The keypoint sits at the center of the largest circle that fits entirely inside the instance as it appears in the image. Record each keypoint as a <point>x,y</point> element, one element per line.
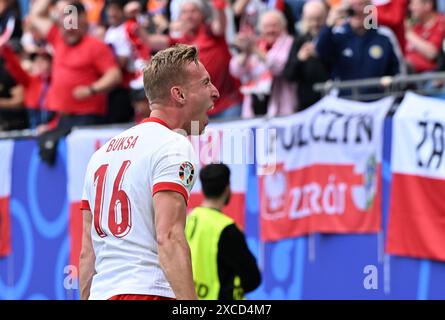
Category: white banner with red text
<point>327,174</point>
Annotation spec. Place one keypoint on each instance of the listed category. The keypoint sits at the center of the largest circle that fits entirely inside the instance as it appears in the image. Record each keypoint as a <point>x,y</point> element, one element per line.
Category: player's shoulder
<point>143,140</point>
<point>161,133</point>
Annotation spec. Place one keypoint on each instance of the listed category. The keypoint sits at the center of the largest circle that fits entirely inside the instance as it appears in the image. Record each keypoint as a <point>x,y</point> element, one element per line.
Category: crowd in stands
<point>68,63</point>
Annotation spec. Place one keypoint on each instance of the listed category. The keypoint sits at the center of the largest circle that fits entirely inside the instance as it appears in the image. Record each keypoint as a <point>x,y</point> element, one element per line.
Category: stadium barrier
<point>428,83</point>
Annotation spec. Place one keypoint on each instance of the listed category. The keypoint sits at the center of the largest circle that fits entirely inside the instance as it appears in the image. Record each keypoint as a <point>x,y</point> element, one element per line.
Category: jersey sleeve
<point>174,168</point>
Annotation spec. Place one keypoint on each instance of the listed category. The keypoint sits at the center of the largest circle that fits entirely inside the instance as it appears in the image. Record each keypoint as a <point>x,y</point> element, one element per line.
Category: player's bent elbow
<point>170,242</point>
<point>161,239</point>
<point>86,253</point>
<point>166,240</point>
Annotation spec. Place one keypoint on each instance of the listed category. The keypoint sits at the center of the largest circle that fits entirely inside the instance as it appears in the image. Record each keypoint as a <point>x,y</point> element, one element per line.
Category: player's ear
<point>178,94</point>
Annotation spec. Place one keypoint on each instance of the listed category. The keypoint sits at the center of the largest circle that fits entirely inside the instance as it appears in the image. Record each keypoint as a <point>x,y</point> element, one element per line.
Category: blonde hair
<point>166,69</point>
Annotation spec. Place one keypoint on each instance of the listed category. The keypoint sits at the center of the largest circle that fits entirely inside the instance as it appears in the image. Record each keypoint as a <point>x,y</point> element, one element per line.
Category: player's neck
<point>173,121</point>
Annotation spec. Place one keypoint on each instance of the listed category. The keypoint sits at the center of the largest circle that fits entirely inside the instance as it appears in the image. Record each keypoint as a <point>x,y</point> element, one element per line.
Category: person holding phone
<point>352,49</point>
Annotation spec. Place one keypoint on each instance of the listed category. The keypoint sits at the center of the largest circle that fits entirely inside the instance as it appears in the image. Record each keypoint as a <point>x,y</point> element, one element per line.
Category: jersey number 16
<point>118,199</point>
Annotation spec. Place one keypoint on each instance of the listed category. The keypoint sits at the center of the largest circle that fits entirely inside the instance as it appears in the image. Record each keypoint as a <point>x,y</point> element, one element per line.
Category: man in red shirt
<point>424,37</point>
<point>84,68</point>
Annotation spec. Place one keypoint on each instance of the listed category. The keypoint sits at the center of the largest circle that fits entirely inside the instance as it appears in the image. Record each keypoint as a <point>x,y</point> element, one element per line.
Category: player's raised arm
<point>87,257</point>
<point>173,249</point>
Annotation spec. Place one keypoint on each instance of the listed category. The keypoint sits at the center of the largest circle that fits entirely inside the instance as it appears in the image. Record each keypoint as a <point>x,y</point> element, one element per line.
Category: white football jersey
<point>121,179</point>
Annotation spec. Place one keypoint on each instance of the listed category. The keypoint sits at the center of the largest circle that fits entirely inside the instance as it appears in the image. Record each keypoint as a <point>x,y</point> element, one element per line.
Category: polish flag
<point>416,226</point>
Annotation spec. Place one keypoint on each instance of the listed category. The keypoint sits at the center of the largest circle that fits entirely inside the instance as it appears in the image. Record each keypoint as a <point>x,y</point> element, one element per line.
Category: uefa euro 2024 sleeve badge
<point>186,172</point>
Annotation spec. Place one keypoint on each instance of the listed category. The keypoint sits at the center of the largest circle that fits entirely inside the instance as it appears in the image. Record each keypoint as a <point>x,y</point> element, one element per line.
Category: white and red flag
<point>327,174</point>
<point>417,210</point>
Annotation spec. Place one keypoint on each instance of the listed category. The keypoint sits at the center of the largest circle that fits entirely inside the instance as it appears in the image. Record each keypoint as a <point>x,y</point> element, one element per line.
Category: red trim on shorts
<point>157,120</point>
<point>138,297</point>
<point>85,205</point>
<point>171,186</point>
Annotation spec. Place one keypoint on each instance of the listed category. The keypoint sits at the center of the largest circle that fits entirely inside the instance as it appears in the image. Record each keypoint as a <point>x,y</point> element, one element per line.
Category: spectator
<point>248,12</point>
<point>424,35</point>
<point>351,50</point>
<point>12,114</point>
<point>230,27</point>
<point>135,29</point>
<point>259,66</point>
<point>35,83</point>
<point>10,23</point>
<point>303,65</point>
<point>208,37</point>
<point>119,103</point>
<point>83,67</point>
